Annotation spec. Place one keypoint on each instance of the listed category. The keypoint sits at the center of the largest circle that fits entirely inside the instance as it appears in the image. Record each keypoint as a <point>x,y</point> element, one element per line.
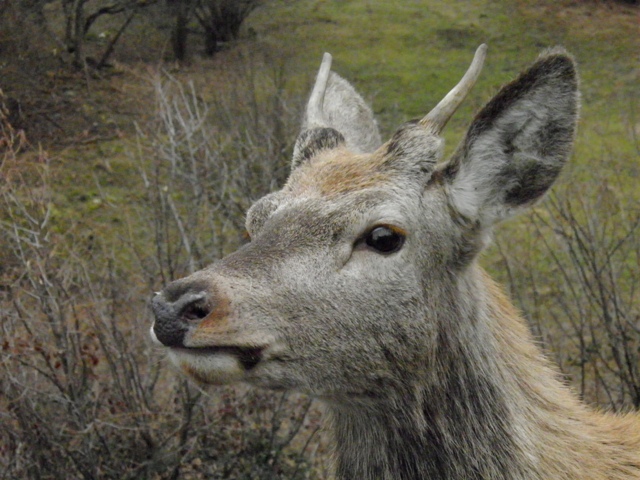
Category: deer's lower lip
<point>249,357</point>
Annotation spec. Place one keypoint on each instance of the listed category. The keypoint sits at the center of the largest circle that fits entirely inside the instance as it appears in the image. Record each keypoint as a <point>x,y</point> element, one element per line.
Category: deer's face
<point>354,267</point>
<point>329,295</point>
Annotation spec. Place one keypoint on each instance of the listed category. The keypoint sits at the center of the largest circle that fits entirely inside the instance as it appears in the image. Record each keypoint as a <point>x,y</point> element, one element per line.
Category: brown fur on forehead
<point>337,172</point>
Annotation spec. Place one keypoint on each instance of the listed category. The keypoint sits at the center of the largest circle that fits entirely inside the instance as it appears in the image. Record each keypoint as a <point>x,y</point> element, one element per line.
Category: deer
<point>361,286</point>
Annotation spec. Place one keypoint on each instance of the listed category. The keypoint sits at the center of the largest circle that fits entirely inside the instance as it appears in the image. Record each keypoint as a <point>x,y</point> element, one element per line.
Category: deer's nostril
<point>195,311</point>
<point>191,306</point>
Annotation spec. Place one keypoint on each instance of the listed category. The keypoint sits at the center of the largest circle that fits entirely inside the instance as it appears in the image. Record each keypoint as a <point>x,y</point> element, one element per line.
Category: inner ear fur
<point>313,141</point>
<point>516,146</point>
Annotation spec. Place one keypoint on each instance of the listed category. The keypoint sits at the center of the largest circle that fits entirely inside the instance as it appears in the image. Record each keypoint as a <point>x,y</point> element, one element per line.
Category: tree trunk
<point>179,36</point>
<point>179,40</point>
<point>210,42</point>
<point>77,41</point>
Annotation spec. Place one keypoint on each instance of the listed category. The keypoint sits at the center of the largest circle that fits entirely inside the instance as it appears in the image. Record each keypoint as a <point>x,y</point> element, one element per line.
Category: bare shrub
<point>584,300</point>
<point>208,161</point>
<point>78,394</point>
<point>82,393</point>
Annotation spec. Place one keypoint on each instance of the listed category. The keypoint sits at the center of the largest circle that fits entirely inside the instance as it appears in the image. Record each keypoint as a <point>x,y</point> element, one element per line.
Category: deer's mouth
<point>249,357</point>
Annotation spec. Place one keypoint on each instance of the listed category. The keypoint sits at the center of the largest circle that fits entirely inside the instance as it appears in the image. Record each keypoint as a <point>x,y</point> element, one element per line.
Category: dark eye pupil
<point>384,240</point>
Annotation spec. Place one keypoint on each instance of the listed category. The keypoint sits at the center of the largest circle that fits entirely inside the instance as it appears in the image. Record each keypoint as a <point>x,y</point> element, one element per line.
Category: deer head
<point>360,276</point>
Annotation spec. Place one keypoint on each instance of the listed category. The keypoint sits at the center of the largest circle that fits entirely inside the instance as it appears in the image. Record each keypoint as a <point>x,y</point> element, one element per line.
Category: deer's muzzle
<point>173,318</point>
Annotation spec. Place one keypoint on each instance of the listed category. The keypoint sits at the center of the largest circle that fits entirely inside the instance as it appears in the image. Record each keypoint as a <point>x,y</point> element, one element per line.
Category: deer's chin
<point>216,365</point>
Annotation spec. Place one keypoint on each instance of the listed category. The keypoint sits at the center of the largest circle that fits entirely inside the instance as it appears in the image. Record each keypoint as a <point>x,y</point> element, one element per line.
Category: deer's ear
<point>337,115</point>
<point>347,112</point>
<point>517,145</point>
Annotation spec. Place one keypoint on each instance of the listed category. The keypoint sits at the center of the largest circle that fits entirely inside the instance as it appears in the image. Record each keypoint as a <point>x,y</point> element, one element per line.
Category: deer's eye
<point>385,239</point>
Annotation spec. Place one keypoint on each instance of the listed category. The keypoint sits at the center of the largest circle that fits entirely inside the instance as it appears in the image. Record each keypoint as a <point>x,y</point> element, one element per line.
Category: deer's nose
<point>173,317</point>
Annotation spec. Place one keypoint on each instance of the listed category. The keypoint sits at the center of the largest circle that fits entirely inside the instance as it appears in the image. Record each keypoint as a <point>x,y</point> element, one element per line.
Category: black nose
<point>172,318</point>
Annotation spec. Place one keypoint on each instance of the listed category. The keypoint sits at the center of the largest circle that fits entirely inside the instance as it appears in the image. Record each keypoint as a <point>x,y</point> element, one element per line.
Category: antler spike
<point>315,114</point>
<point>437,118</point>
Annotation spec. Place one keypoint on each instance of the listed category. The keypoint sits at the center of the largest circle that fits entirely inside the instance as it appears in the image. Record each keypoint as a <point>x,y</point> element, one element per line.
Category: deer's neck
<point>486,409</point>
<point>458,431</point>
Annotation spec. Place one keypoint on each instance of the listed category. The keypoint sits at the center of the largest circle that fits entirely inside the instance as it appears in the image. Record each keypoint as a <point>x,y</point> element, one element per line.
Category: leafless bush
<point>82,393</point>
<point>78,393</point>
<point>208,162</point>
<point>582,293</point>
